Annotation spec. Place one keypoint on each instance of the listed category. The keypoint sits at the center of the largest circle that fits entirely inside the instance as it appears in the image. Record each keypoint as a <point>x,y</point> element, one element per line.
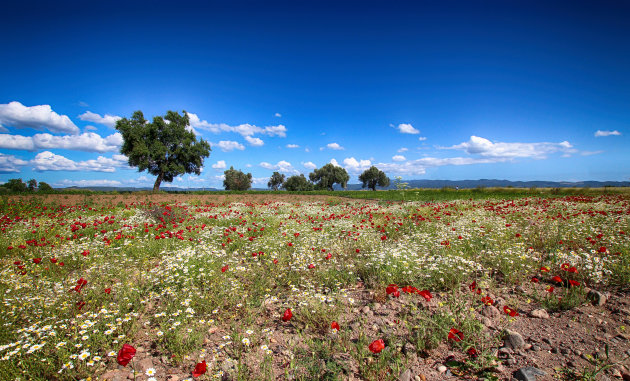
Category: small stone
<point>365,309</point>
<point>420,377</point>
<point>539,313</point>
<point>535,348</point>
<point>528,373</point>
<point>441,369</point>
<point>598,298</point>
<point>405,376</point>
<point>514,340</point>
<point>212,330</point>
<point>527,347</point>
<point>490,312</point>
<point>486,321</point>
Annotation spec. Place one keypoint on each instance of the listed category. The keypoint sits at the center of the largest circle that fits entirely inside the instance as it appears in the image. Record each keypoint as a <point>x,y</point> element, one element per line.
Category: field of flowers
<point>290,290</point>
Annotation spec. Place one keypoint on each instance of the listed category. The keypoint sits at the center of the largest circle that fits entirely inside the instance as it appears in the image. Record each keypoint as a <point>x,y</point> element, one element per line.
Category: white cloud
<point>88,141</point>
<point>219,165</point>
<point>15,114</point>
<point>256,142</point>
<point>229,145</point>
<point>354,166</point>
<point>260,180</point>
<point>293,146</point>
<point>403,149</point>
<point>48,161</point>
<point>309,165</point>
<point>407,128</point>
<point>422,138</point>
<point>600,133</point>
<point>399,158</point>
<point>282,166</point>
<point>484,147</point>
<point>243,129</point>
<point>87,183</point>
<point>90,128</point>
<point>10,163</point>
<point>334,146</point>
<point>334,162</point>
<point>277,115</point>
<point>419,166</point>
<point>108,120</point>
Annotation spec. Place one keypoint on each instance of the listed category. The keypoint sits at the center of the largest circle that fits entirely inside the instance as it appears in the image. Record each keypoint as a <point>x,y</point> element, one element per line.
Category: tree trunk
<point>158,181</point>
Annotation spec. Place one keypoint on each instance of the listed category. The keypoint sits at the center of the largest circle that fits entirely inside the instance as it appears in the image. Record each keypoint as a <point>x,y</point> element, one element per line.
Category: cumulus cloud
<point>219,165</point>
<point>600,133</point>
<point>309,165</point>
<point>399,158</point>
<point>107,120</point>
<point>256,142</point>
<point>293,146</point>
<point>278,115</point>
<point>229,145</point>
<point>15,114</point>
<point>484,147</point>
<point>419,166</point>
<point>406,128</point>
<point>88,141</point>
<point>242,129</point>
<point>334,162</point>
<point>87,183</point>
<point>354,166</point>
<point>281,166</point>
<point>48,161</point>
<point>334,146</point>
<point>403,149</point>
<point>10,163</point>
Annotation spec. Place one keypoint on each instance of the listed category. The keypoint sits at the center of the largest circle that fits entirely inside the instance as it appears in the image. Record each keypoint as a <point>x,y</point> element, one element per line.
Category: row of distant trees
<point>17,185</point>
<point>323,178</point>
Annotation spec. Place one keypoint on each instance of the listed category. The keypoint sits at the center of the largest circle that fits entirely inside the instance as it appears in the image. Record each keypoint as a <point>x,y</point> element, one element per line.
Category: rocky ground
<point>536,345</point>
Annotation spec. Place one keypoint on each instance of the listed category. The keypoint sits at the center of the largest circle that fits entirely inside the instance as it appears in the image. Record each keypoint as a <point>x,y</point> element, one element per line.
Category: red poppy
<point>565,266</point>
<point>275,261</point>
<point>335,326</point>
<point>80,304</point>
<point>357,251</point>
<point>125,354</point>
<point>472,352</point>
<point>392,289</point>
<point>550,289</point>
<point>487,300</point>
<point>85,253</point>
<point>287,315</point>
<point>544,269</point>
<point>108,290</point>
<point>426,295</point>
<point>311,266</point>
<point>473,286</point>
<point>510,311</point>
<point>556,279</point>
<point>37,260</point>
<point>200,369</point>
<point>224,268</point>
<point>455,335</point>
<point>53,260</point>
<point>572,270</point>
<point>602,249</point>
<point>296,235</point>
<point>574,283</point>
<point>377,346</point>
<point>329,256</point>
<point>80,284</point>
<point>535,280</point>
<point>383,238</point>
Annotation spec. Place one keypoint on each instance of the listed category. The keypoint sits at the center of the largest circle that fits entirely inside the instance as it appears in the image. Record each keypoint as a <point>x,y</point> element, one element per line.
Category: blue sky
<point>516,90</point>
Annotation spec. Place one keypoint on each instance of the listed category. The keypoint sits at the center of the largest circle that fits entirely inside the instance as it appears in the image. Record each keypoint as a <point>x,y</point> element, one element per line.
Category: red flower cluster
<point>510,311</point>
<point>455,335</point>
<point>80,284</point>
<point>334,326</point>
<point>200,369</point>
<point>393,290</point>
<point>287,315</point>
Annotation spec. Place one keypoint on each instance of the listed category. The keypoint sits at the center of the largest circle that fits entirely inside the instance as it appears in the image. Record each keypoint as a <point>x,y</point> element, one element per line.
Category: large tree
<point>276,181</point>
<point>16,185</point>
<point>237,180</point>
<point>298,183</point>
<point>166,147</point>
<point>373,177</point>
<point>328,175</point>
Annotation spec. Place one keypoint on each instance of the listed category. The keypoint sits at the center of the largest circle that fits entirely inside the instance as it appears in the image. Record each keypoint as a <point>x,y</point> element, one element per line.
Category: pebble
<point>514,340</point>
<point>540,314</point>
<point>528,373</point>
<point>441,369</point>
<point>405,376</point>
<point>598,298</point>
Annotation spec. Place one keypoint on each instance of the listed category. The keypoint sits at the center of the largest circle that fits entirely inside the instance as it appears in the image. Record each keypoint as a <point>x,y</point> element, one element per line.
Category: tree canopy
<point>373,177</point>
<point>328,175</point>
<point>165,147</point>
<point>276,181</point>
<point>298,183</point>
<point>16,185</point>
<point>237,180</point>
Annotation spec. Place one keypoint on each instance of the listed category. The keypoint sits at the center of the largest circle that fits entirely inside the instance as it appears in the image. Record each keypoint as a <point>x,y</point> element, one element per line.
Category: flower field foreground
<point>313,290</point>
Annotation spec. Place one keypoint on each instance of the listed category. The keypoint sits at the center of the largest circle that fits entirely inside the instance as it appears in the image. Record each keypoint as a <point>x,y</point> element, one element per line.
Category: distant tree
<point>373,177</point>
<point>32,185</point>
<point>328,175</point>
<point>165,147</point>
<point>276,181</point>
<point>298,183</point>
<point>16,185</point>
<point>44,187</point>
<point>237,180</point>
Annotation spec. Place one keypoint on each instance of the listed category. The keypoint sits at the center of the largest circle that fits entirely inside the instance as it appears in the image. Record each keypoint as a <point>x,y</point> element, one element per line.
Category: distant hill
<point>462,184</point>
